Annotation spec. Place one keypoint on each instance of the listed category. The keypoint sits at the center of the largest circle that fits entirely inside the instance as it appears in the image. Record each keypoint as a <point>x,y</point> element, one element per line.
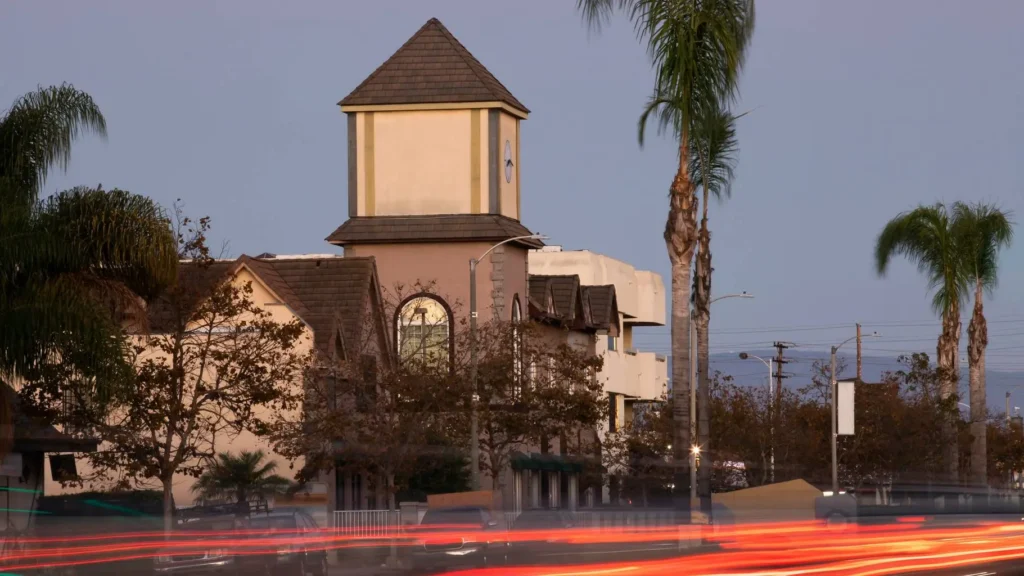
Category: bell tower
<point>434,175</point>
<point>432,131</point>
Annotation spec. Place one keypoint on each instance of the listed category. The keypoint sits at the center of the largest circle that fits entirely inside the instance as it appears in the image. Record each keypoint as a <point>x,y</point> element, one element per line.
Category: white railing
<point>623,521</point>
<point>368,523</point>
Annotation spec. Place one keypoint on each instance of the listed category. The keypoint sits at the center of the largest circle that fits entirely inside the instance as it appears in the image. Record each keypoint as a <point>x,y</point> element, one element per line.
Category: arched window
<point>517,348</point>
<point>423,329</point>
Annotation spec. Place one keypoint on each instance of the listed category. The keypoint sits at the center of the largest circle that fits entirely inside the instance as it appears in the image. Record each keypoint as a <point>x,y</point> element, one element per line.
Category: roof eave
<point>521,113</point>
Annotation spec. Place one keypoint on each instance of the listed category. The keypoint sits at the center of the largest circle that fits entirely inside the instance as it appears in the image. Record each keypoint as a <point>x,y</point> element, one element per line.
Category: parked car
<point>301,554</point>
<point>228,554</point>
<point>459,537</point>
<point>217,558</point>
<point>536,539</point>
<point>934,501</point>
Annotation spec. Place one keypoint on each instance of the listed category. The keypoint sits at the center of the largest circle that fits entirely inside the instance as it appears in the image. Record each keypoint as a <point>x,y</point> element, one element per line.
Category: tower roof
<point>432,67</point>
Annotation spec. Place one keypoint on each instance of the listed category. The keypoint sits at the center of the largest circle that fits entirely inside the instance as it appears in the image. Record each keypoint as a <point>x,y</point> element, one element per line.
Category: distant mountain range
<point>751,372</point>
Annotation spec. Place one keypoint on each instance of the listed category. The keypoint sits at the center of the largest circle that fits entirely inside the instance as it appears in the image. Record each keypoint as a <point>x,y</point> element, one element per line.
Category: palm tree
<point>697,49</point>
<point>66,260</point>
<point>983,230</point>
<point>240,478</point>
<point>712,164</point>
<point>927,236</point>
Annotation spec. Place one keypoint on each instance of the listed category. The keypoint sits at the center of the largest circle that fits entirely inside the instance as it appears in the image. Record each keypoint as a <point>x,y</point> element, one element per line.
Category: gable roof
<point>576,306</point>
<point>432,67</point>
<point>334,292</point>
<point>433,228</point>
<point>330,294</point>
<point>604,308</point>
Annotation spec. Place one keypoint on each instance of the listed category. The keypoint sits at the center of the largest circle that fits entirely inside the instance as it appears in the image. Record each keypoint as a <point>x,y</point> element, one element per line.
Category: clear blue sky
<point>862,109</point>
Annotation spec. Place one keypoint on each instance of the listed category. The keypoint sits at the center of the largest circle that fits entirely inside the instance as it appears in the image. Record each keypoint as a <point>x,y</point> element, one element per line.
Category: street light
<point>693,390</point>
<point>771,405</point>
<point>474,432</point>
<point>832,397</point>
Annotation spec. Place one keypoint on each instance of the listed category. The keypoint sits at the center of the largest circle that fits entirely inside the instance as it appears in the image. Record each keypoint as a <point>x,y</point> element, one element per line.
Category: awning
<point>31,435</point>
<point>546,462</point>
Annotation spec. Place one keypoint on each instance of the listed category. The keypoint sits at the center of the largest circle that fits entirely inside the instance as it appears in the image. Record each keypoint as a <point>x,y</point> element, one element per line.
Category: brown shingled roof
<point>431,67</point>
<point>604,309</point>
<point>434,228</point>
<point>327,293</point>
<point>330,290</point>
<point>576,306</point>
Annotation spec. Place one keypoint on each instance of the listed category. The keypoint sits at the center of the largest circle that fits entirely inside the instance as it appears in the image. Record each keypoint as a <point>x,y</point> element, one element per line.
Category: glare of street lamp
<point>695,450</point>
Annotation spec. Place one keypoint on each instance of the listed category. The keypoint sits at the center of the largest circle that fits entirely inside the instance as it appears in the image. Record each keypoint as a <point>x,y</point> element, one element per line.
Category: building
<point>337,299</point>
<point>629,299</point>
<point>434,182</point>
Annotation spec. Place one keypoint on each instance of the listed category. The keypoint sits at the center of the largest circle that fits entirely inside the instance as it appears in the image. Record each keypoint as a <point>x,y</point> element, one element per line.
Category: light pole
<point>832,398</point>
<point>771,407</point>
<point>696,447</point>
<point>474,432</point>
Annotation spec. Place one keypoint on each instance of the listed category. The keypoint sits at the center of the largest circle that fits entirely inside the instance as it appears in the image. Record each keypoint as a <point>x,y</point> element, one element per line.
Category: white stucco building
<point>629,374</point>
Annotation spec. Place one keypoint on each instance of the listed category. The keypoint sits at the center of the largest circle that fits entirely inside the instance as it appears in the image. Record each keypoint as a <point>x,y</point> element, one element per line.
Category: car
<point>536,537</point>
<point>299,555</point>
<point>217,558</point>
<point>458,537</point>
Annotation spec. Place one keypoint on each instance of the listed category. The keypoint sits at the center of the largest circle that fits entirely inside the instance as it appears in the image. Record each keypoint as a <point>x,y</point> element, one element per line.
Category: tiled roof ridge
<point>486,87</point>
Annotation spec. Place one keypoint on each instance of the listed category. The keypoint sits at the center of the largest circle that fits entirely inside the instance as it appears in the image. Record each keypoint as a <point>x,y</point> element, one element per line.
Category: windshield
<point>273,523</point>
<point>469,516</point>
<point>210,525</point>
<point>541,520</point>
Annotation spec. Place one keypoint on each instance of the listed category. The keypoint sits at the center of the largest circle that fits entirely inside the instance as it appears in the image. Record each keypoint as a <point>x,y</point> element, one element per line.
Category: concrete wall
<point>639,293</point>
<point>222,443</point>
<point>499,277</point>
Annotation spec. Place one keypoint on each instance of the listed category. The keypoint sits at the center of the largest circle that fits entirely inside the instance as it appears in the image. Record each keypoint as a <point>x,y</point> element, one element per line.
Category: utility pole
<point>780,360</point>
<point>860,373</point>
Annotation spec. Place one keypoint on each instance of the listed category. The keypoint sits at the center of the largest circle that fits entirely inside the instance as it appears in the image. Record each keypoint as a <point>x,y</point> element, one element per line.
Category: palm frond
<point>984,230</point>
<point>698,50</point>
<point>240,476</point>
<point>597,13</point>
<point>666,112</point>
<point>713,149</point>
<point>926,237</point>
<point>37,132</point>
<point>112,234</point>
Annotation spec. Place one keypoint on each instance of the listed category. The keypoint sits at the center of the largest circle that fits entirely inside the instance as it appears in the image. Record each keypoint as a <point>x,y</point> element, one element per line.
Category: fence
<point>388,523</point>
<point>614,520</point>
<point>368,523</point>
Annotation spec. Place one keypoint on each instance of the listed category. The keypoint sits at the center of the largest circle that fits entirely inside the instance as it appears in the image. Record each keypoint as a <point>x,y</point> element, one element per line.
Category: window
<point>517,349</point>
<point>611,343</point>
<point>424,330</point>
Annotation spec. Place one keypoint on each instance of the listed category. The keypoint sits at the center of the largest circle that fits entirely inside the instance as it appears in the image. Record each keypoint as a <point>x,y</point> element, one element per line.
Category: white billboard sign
<point>844,408</point>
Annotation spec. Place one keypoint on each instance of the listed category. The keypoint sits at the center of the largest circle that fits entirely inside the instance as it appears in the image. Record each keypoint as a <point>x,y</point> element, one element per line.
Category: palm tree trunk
<point>680,236</point>
<point>948,349</point>
<point>702,315</point>
<point>977,332</point>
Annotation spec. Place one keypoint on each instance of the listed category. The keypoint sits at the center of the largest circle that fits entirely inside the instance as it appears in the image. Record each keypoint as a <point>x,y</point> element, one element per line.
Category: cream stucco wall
<point>421,161</point>
<point>639,293</point>
<point>508,127</point>
<point>244,441</point>
<point>435,161</point>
